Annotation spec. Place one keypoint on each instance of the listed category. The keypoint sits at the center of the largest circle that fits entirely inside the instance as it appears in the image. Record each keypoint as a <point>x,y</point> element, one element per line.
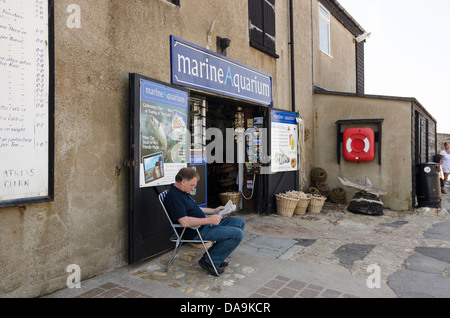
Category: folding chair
<point>177,238</point>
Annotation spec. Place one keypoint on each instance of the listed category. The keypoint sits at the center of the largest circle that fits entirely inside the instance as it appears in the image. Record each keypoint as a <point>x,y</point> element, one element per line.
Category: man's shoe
<point>223,265</point>
<point>210,268</point>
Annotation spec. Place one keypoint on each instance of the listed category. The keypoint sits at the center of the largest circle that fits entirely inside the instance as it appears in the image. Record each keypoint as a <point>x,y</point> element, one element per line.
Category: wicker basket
<point>302,205</point>
<point>316,204</point>
<point>286,206</point>
<point>235,197</point>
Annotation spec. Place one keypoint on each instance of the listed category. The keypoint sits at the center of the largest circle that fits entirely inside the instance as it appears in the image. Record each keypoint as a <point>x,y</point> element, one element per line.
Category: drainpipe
<point>291,14</point>
<point>291,18</point>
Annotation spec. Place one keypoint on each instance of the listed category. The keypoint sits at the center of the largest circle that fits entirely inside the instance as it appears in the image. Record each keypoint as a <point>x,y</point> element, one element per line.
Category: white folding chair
<point>177,238</point>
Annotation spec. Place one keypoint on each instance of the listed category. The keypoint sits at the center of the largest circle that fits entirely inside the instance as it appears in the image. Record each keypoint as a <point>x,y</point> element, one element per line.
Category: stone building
<point>314,54</point>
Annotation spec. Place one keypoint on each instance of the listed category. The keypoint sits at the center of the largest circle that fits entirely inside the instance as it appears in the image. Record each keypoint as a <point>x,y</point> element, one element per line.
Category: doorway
<point>234,173</point>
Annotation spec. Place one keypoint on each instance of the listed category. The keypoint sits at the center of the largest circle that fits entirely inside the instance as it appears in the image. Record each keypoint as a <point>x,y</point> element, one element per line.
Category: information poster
<point>164,134</point>
<point>284,140</point>
<point>24,102</point>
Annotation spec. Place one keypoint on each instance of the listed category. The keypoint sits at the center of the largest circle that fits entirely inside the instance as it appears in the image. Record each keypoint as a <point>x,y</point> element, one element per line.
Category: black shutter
<point>256,17</point>
<point>269,24</point>
<point>261,14</point>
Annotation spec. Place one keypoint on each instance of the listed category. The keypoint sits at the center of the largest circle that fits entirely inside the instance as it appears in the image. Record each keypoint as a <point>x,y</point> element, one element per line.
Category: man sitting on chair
<point>227,232</point>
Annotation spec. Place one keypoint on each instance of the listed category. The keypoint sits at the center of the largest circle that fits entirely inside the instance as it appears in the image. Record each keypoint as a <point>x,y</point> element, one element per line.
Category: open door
<point>159,148</point>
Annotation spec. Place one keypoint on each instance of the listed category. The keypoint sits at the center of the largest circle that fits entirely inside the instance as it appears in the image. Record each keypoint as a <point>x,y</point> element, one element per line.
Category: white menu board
<point>24,101</point>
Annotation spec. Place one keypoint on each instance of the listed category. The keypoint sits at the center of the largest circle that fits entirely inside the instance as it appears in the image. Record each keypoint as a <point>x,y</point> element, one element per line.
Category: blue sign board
<point>161,94</point>
<point>195,67</point>
<point>284,117</point>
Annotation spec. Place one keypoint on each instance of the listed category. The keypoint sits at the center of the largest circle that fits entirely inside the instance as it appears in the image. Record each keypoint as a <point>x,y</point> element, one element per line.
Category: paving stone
<point>265,291</point>
<point>112,290</point>
<point>285,287</point>
<point>287,292</point>
<point>309,293</point>
<point>422,263</point>
<point>306,242</point>
<point>275,284</point>
<point>331,293</point>
<point>298,285</point>
<point>441,254</point>
<point>349,253</point>
<point>440,231</point>
<point>396,224</point>
<point>315,287</point>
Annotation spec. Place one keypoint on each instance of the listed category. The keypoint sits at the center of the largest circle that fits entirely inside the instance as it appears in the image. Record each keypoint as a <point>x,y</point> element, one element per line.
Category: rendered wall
<point>337,71</point>
<point>395,172</point>
<point>87,224</point>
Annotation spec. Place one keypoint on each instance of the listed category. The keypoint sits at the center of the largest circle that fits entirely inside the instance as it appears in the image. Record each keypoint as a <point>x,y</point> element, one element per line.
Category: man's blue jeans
<point>227,236</point>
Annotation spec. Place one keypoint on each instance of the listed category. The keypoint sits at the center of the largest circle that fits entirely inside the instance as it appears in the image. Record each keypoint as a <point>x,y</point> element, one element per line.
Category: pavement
<point>332,254</point>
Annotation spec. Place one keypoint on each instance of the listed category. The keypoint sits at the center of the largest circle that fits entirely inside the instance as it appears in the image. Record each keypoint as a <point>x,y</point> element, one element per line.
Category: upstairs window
<point>324,30</point>
<point>261,15</point>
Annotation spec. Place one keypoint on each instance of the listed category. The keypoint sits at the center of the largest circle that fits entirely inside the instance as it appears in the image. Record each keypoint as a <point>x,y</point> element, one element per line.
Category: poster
<point>284,141</point>
<point>164,134</point>
<point>25,117</point>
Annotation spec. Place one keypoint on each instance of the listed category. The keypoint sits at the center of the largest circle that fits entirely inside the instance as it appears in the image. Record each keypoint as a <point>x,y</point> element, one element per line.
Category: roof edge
<point>320,91</point>
<point>344,17</point>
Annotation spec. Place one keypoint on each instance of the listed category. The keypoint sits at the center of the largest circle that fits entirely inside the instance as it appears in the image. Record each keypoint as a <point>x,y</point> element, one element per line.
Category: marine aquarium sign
<point>164,137</point>
<point>196,67</point>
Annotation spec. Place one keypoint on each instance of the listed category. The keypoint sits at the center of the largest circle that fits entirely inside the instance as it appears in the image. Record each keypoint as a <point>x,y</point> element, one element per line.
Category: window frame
<point>326,20</point>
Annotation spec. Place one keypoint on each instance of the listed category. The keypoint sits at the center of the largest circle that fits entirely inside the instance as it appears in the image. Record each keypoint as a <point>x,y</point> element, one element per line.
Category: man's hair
<point>187,174</point>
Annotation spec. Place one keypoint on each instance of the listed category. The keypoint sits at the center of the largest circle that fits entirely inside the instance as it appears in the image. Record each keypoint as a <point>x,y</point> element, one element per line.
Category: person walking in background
<point>444,164</point>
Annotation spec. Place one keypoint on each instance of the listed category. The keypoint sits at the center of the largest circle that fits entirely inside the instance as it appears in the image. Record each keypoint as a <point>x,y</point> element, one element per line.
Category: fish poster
<point>164,133</point>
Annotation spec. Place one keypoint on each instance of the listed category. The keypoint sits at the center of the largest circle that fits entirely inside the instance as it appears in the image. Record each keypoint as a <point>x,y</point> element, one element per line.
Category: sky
<point>408,52</point>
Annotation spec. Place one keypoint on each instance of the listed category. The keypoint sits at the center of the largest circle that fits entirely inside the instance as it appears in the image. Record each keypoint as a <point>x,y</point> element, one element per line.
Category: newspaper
<point>229,207</point>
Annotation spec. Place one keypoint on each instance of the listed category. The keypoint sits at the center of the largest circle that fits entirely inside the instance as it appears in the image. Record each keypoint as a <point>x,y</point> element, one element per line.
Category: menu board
<point>25,102</point>
<point>164,133</point>
<point>284,141</point>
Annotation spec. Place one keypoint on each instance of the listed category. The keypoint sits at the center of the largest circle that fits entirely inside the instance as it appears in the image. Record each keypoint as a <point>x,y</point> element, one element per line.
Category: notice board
<point>26,102</point>
<point>284,141</point>
<point>164,133</point>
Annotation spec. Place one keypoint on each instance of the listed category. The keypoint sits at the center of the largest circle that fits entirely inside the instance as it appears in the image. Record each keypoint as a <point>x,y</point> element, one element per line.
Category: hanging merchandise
<point>253,143</point>
<point>359,144</point>
<point>239,125</point>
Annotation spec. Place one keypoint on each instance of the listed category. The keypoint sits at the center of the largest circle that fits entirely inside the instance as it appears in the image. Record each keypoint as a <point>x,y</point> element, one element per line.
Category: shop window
<point>261,15</point>
<point>324,30</point>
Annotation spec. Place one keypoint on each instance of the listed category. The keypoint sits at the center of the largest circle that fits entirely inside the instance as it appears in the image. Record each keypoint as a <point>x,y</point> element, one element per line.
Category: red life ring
<point>359,144</point>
